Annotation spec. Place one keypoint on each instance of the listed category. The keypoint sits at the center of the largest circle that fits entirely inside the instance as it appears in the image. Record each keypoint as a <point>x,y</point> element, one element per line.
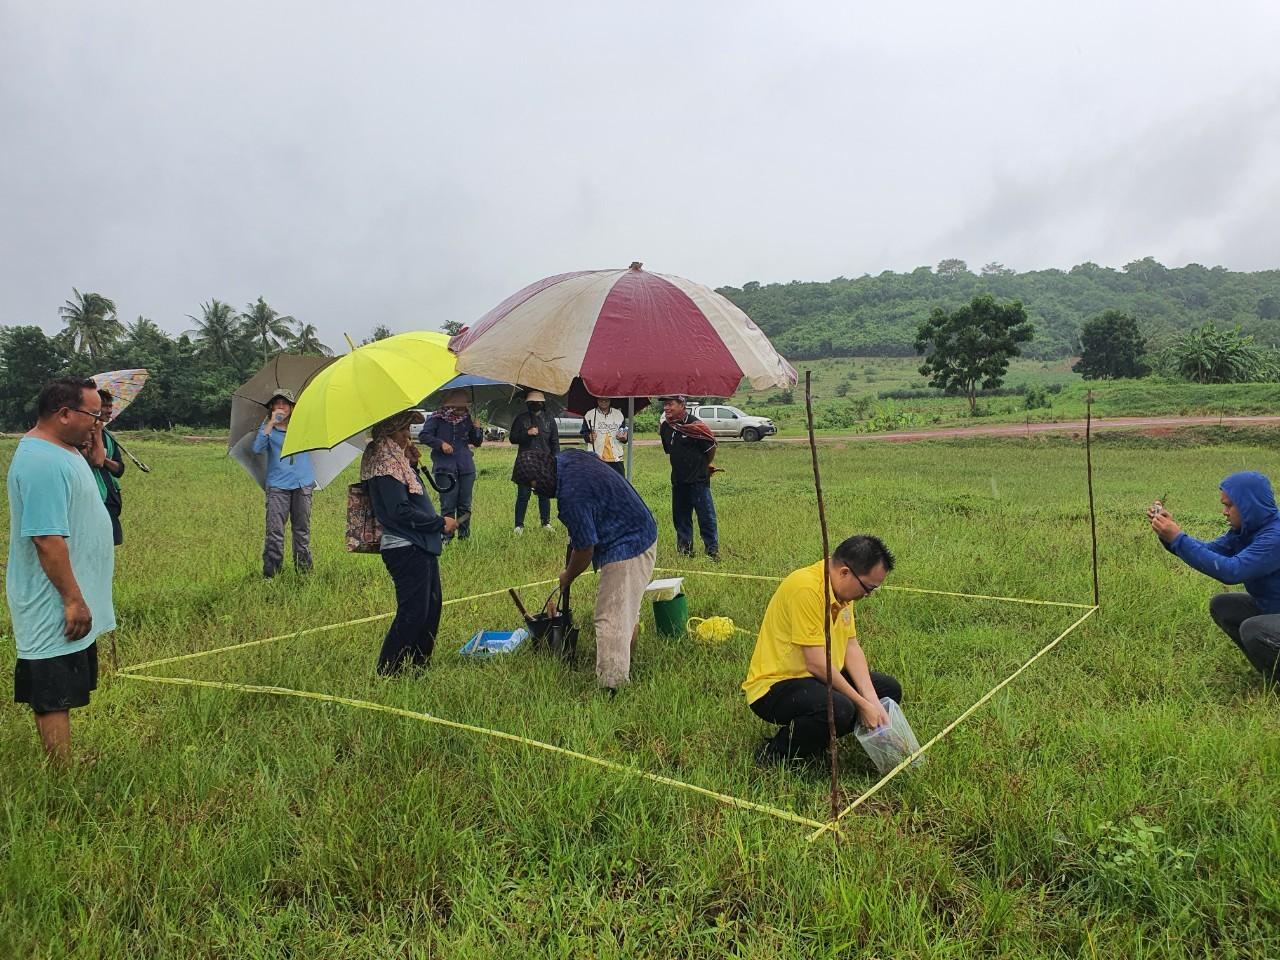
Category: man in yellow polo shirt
<point>787,681</point>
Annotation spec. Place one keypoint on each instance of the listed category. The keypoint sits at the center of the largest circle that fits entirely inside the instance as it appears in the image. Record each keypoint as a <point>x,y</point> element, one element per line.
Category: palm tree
<point>307,340</point>
<point>260,322</point>
<point>91,322</point>
<point>217,330</point>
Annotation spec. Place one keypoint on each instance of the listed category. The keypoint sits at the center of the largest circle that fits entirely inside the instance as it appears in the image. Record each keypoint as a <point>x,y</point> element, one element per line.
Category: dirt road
<point>1022,429</point>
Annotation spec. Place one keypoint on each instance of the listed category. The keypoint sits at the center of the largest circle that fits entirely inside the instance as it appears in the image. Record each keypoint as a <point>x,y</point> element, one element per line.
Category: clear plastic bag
<point>889,745</point>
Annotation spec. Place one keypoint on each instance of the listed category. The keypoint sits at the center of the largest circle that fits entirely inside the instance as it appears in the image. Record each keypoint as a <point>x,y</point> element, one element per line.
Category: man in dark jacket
<point>1249,554</point>
<point>691,446</point>
<point>533,431</point>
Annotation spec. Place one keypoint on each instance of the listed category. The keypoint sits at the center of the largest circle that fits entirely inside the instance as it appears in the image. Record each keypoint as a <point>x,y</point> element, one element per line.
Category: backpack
<point>364,532</point>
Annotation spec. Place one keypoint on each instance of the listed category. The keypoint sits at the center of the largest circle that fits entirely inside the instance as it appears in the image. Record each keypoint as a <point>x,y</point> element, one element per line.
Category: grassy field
<point>850,396</point>
<point>1120,799</point>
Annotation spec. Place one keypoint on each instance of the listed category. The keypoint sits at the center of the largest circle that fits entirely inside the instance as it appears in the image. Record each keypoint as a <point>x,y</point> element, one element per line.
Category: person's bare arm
<point>55,561</point>
<point>869,710</point>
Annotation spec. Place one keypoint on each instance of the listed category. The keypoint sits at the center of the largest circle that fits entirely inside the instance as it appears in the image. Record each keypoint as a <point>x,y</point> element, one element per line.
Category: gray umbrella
<point>283,372</point>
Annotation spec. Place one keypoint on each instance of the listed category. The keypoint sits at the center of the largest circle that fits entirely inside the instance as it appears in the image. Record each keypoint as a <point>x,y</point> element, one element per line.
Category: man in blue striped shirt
<point>611,529</point>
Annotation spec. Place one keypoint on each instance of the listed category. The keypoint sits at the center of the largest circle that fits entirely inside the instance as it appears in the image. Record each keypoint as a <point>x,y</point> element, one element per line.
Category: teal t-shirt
<point>52,493</point>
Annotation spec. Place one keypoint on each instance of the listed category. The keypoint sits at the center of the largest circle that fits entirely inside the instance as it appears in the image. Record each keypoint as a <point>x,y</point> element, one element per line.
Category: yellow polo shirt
<point>794,620</point>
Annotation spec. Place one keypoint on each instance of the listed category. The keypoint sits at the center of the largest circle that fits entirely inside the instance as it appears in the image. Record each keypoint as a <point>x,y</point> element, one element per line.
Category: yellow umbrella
<point>369,384</point>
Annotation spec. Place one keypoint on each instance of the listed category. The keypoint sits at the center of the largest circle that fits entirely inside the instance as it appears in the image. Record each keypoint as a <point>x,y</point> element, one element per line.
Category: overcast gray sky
<point>413,162</point>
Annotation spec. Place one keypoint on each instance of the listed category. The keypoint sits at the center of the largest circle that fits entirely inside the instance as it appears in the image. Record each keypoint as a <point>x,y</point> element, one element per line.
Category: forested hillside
<point>877,316</point>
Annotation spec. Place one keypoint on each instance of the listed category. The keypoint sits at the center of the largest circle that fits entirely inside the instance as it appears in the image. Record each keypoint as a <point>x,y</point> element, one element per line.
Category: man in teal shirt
<point>290,482</point>
<point>61,561</point>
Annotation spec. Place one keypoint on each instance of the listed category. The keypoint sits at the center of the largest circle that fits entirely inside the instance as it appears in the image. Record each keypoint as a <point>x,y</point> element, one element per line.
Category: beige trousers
<point>618,601</point>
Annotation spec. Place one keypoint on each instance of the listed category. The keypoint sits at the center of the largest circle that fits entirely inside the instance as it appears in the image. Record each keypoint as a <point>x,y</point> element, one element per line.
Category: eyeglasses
<point>866,590</point>
<point>100,417</point>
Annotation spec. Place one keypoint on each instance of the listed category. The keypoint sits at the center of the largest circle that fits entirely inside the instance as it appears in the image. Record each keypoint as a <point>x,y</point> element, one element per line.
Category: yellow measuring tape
<point>311,630</point>
<point>876,787</point>
<point>940,593</point>
<point>708,630</point>
<point>485,731</point>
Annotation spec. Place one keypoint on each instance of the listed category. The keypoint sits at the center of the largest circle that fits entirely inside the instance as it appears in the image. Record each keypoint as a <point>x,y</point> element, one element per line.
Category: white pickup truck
<point>726,421</point>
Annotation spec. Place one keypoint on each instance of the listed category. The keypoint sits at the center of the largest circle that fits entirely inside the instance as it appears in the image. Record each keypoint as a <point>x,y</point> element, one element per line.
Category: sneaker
<point>519,530</point>
<point>547,526</point>
<point>685,551</point>
<point>714,557</point>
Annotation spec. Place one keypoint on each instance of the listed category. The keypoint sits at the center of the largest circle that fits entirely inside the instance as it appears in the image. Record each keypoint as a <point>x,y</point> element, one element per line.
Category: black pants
<point>800,707</point>
<point>522,504</point>
<point>1257,634</point>
<point>412,635</point>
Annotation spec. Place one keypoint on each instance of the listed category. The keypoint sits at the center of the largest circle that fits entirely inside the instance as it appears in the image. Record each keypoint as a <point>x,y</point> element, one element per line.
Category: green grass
<point>862,409</point>
<point>206,823</point>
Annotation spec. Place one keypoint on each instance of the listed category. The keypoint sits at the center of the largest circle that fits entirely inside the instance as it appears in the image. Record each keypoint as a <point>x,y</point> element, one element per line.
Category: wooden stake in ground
<point>1088,460</point>
<point>826,596</point>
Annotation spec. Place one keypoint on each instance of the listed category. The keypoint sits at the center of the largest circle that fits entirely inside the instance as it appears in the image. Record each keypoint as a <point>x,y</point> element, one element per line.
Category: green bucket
<point>671,617</point>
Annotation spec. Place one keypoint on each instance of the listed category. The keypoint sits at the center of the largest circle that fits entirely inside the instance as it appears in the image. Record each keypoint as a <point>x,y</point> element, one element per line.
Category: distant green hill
<point>877,316</point>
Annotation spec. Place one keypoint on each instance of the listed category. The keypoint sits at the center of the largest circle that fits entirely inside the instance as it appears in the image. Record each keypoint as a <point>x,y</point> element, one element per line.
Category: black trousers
<point>1257,634</point>
<point>800,707</point>
<point>412,635</point>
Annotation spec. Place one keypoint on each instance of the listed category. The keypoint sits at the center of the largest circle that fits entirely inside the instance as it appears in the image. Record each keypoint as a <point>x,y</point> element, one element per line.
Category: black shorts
<point>55,684</point>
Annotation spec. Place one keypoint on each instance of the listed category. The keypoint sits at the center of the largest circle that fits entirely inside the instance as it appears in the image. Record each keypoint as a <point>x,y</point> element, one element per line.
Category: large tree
<point>1111,347</point>
<point>972,347</point>
<point>28,360</point>
<point>261,323</point>
<point>92,323</point>
<point>217,331</point>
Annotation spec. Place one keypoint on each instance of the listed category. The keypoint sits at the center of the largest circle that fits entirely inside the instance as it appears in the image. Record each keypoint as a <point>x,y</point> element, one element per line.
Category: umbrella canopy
<point>123,385</point>
<point>249,409</point>
<point>369,384</point>
<point>580,400</point>
<point>626,333</point>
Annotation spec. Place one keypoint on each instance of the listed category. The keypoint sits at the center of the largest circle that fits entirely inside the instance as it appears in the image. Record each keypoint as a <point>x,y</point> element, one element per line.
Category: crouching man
<point>787,681</point>
<point>611,529</point>
<point>1248,554</point>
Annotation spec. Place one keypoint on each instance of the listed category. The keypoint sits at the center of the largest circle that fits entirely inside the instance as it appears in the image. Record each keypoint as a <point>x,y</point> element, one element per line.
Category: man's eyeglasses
<point>866,590</point>
<point>100,417</point>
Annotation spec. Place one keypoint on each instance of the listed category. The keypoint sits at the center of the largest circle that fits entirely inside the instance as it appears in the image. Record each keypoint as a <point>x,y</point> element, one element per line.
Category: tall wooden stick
<point>826,596</point>
<point>1088,460</point>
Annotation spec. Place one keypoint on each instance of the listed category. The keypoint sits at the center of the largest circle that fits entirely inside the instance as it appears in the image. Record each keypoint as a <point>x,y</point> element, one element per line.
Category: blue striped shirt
<point>601,509</point>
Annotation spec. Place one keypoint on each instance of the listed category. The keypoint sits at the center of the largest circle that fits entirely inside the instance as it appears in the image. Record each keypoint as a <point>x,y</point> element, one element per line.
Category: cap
<point>283,393</point>
<point>677,397</point>
<point>457,397</point>
<point>535,395</point>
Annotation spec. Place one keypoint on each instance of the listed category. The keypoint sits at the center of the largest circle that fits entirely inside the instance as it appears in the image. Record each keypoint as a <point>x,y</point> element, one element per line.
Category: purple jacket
<point>438,430</point>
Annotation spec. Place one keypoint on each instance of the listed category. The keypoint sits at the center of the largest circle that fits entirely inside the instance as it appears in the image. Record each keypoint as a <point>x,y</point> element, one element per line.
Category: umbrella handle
<point>453,482</point>
<point>141,466</point>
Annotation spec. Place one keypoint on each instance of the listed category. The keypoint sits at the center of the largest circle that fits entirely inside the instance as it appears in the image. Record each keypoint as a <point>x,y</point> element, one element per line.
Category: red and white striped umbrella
<point>626,333</point>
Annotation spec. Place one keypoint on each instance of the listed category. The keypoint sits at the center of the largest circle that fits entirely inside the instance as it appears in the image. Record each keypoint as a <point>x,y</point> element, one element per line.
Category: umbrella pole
<point>631,430</point>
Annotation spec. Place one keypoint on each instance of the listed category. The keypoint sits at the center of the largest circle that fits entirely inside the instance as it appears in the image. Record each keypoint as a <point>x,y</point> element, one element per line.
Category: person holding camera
<point>290,483</point>
<point>1248,554</point>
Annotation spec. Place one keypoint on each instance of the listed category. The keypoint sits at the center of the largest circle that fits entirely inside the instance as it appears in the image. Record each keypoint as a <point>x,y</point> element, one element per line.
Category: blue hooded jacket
<point>1251,555</point>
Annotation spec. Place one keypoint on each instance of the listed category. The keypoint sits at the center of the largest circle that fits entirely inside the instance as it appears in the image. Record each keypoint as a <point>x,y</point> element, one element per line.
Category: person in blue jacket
<point>410,545</point>
<point>1248,554</point>
<point>451,433</point>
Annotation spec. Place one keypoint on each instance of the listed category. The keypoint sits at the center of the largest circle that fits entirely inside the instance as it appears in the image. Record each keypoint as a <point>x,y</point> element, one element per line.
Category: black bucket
<point>557,634</point>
